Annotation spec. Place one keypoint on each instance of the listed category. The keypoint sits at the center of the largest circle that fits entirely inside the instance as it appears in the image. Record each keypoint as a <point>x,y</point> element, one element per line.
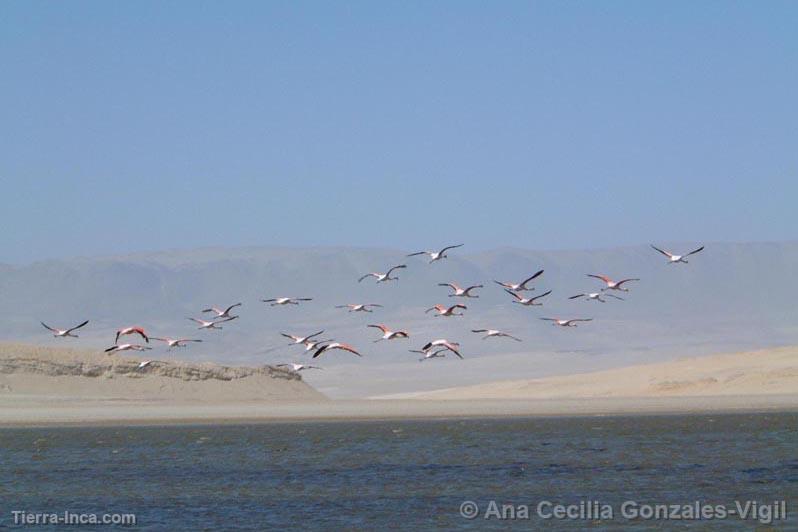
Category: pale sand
<point>35,391</point>
<point>33,412</point>
<point>755,373</point>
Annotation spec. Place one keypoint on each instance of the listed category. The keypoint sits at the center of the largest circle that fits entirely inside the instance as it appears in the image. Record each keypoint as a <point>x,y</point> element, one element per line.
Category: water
<point>400,474</point>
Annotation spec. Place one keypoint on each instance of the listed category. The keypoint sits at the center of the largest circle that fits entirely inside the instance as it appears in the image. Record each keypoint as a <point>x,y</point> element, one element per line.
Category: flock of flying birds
<point>433,349</point>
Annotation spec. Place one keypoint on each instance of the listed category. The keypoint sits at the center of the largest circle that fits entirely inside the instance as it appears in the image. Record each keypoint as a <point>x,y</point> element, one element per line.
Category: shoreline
<point>140,414</point>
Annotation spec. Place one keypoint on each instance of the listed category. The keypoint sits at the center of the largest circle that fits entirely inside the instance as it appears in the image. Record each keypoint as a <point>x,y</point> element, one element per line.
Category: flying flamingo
<point>591,296</point>
<point>519,287</point>
<point>359,307</point>
<point>442,310</point>
<point>435,255</point>
<point>63,333</point>
<point>566,323</point>
<point>131,330</point>
<point>493,333</point>
<point>211,324</point>
<point>673,259</point>
<point>443,343</point>
<point>460,292</point>
<point>297,367</point>
<point>286,300</point>
<point>219,313</point>
<point>383,277</point>
<point>335,345</point>
<point>388,334</point>
<point>300,339</point>
<point>612,285</point>
<point>175,342</point>
<point>529,302</point>
<point>127,347</point>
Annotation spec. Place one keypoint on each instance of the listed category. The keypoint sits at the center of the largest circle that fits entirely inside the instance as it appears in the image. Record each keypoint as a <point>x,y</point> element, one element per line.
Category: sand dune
<point>64,386</point>
<point>767,372</point>
<point>31,375</point>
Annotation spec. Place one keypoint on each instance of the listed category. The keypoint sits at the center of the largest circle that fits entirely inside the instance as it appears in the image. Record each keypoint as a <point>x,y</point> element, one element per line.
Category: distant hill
<point>730,297</point>
<point>30,374</point>
<point>766,372</point>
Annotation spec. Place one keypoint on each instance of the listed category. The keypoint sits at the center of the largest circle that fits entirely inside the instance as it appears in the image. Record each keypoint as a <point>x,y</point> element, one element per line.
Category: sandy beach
<point>45,411</point>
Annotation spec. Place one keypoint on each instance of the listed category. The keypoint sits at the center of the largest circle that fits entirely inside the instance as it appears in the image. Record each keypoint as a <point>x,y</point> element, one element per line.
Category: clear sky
<point>130,126</point>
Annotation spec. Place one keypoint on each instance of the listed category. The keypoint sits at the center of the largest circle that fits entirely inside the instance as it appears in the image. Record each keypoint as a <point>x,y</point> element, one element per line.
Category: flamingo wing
<point>48,327</point>
<point>347,347</point>
<point>662,251</point>
<point>695,251</point>
<point>535,276</point>
<point>447,248</point>
<point>541,295</point>
<point>514,294</point>
<point>396,268</point>
<point>669,255</point>
<point>76,327</point>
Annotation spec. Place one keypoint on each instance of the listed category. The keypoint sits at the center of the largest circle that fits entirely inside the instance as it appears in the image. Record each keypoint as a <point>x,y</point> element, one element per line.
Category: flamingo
<point>127,347</point>
<point>211,324</point>
<point>673,259</point>
<point>528,302</point>
<point>519,287</point>
<point>435,255</point>
<point>131,330</point>
<point>297,367</point>
<point>286,300</point>
<point>460,292</point>
<point>442,310</point>
<point>442,343</point>
<point>144,364</point>
<point>613,285</point>
<point>566,323</point>
<point>63,333</point>
<point>388,334</point>
<point>175,342</point>
<point>493,333</point>
<point>383,277</point>
<point>591,296</point>
<point>335,345</point>
<point>222,313</point>
<point>359,307</point>
<point>301,339</point>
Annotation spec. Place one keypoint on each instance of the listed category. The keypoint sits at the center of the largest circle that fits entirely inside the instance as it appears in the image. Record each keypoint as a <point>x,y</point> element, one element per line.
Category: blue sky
<point>151,125</point>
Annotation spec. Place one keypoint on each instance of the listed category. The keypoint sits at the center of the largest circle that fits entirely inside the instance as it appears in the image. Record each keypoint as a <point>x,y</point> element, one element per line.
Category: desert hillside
<point>42,372</point>
<point>771,371</point>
